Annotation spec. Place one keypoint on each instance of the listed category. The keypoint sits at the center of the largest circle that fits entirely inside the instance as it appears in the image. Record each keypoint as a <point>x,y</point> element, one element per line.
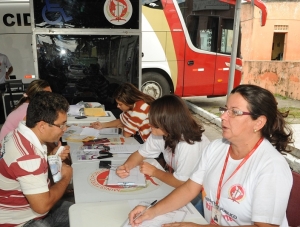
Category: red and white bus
<point>186,46</point>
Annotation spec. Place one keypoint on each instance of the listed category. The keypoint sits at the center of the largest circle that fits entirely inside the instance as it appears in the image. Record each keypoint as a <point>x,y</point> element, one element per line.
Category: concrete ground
<point>206,110</point>
<point>209,109</point>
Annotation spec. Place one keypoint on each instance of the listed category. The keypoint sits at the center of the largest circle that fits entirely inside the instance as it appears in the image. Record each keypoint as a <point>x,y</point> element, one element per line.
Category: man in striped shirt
<point>26,196</point>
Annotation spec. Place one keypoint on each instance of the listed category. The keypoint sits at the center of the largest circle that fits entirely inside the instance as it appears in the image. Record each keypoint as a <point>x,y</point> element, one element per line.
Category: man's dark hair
<point>45,106</point>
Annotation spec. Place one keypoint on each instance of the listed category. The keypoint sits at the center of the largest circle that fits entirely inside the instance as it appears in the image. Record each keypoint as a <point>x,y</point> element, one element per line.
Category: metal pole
<point>235,41</point>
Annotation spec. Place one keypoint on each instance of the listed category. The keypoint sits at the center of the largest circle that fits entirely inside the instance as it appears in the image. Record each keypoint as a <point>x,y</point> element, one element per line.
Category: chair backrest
<point>293,208</point>
<point>13,86</point>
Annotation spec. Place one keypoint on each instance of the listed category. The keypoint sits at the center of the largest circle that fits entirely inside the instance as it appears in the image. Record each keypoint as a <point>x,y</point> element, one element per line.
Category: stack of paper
<point>171,217</point>
<point>135,178</point>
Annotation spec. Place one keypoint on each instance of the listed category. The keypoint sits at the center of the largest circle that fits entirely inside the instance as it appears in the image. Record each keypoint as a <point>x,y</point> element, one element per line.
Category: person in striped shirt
<point>27,197</point>
<point>134,118</point>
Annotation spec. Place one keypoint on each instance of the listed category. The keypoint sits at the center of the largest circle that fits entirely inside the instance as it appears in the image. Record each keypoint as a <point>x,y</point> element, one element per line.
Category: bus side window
<point>227,36</point>
<point>203,31</point>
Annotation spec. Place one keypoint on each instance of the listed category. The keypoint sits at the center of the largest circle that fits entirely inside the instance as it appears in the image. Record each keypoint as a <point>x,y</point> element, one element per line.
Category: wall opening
<point>278,46</point>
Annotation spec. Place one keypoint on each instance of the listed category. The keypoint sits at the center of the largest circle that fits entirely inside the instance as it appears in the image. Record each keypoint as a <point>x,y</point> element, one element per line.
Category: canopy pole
<point>235,41</point>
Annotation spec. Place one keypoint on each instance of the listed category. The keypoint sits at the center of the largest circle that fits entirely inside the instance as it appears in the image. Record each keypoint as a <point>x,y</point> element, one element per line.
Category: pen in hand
<point>148,207</point>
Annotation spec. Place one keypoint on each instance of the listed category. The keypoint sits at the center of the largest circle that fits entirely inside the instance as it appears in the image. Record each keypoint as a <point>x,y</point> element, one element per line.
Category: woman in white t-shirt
<point>178,136</point>
<point>245,180</point>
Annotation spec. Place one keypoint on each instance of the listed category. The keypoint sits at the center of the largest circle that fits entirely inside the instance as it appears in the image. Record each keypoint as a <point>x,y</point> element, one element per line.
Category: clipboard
<point>135,179</point>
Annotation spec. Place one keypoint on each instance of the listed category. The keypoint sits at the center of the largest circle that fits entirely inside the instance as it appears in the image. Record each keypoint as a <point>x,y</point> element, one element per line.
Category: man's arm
<point>43,202</point>
<point>9,71</point>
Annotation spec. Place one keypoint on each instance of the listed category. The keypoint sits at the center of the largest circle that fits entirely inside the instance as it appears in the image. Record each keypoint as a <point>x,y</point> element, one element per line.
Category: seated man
<point>26,196</point>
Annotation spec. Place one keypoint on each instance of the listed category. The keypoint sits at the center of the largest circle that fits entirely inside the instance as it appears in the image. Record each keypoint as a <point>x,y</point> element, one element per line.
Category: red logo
<point>236,193</point>
<point>118,12</point>
<point>98,180</point>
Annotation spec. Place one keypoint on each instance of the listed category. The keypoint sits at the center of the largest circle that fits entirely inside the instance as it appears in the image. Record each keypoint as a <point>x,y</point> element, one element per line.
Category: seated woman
<point>178,136</point>
<point>135,106</point>
<point>244,178</point>
<point>19,113</point>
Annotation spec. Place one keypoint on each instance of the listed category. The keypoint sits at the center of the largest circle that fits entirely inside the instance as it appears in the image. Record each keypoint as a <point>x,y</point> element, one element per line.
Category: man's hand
<point>123,171</point>
<point>147,168</point>
<point>65,152</point>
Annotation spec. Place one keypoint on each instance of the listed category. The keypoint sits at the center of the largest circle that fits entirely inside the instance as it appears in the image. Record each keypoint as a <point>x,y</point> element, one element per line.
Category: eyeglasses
<point>62,127</point>
<point>233,112</point>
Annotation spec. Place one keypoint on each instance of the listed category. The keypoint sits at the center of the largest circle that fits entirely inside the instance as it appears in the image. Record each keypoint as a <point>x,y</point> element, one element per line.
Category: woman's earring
<point>255,130</point>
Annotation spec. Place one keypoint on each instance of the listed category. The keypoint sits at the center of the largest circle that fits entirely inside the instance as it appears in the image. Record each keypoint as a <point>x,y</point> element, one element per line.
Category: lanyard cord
<point>237,168</point>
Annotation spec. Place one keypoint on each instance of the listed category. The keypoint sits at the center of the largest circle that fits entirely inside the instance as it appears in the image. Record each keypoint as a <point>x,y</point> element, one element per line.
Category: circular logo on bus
<point>118,12</point>
<point>98,180</point>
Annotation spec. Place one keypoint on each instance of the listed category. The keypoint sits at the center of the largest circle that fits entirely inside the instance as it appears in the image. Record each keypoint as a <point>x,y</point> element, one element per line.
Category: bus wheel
<point>155,85</point>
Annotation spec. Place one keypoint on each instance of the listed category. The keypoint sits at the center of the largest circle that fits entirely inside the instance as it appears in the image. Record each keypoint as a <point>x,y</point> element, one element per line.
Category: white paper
<point>108,131</point>
<point>124,149</point>
<point>73,129</point>
<point>74,110</point>
<point>135,178</point>
<point>90,132</point>
<point>171,217</point>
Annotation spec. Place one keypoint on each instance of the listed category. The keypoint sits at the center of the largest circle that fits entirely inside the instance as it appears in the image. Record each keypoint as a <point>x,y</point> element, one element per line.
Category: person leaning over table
<point>26,196</point>
<point>244,177</point>
<point>178,136</point>
<point>135,106</point>
<point>19,113</point>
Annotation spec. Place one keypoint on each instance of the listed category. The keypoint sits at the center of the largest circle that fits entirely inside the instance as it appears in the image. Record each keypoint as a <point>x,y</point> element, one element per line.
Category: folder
<point>95,112</point>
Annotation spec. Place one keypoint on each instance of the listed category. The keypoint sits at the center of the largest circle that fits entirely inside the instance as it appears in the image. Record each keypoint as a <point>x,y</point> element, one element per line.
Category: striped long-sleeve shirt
<point>136,120</point>
<point>23,170</point>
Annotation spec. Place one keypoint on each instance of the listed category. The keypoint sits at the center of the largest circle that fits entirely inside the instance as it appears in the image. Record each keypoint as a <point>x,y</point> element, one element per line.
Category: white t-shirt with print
<point>257,192</point>
<point>4,64</point>
<point>185,158</point>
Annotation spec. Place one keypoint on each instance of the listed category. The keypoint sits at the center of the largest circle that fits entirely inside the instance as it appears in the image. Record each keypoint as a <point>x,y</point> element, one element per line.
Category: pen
<point>148,207</point>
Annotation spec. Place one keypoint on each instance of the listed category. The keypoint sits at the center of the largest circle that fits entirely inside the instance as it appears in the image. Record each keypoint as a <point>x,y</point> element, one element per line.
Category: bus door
<point>200,56</point>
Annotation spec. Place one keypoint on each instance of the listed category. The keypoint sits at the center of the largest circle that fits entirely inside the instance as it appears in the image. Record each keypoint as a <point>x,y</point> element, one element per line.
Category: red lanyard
<point>237,168</point>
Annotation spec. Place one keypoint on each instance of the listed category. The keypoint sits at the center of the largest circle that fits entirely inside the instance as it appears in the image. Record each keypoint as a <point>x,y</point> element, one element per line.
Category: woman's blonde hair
<point>129,94</point>
<point>34,87</point>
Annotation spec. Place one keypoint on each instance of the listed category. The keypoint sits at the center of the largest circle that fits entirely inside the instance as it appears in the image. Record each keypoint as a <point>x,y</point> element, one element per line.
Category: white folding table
<point>86,121</point>
<point>89,183</point>
<point>114,214</point>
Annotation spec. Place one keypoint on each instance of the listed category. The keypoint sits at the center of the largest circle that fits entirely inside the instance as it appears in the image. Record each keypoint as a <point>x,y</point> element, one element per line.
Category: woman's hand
<point>96,125</point>
<point>136,211</point>
<point>123,171</point>
<point>181,224</point>
<point>147,168</point>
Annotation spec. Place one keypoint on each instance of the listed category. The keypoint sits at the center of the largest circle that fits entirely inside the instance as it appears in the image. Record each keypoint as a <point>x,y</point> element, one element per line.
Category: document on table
<point>124,149</point>
<point>174,216</point>
<point>87,154</point>
<point>97,132</point>
<point>135,178</point>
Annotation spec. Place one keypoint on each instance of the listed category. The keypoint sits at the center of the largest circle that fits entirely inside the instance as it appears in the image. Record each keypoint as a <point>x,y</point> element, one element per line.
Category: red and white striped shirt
<point>23,170</point>
<point>136,120</point>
